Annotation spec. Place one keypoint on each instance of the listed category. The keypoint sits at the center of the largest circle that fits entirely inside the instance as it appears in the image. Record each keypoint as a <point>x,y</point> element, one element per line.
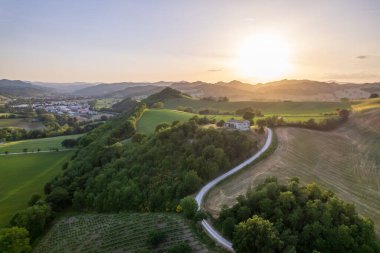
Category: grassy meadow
<point>23,175</point>
<point>122,232</point>
<point>153,117</point>
<point>44,144</point>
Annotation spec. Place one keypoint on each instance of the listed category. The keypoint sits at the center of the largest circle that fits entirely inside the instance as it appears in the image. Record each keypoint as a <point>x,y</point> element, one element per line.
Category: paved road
<point>199,198</point>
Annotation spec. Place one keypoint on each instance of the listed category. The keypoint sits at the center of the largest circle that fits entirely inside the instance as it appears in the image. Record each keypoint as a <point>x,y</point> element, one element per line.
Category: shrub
<point>181,247</point>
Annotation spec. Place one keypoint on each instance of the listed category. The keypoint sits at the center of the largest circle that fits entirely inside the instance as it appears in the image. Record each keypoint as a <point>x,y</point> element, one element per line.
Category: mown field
<point>270,108</point>
<point>21,123</point>
<point>346,161</point>
<point>153,117</point>
<point>122,232</point>
<point>44,144</point>
<point>23,175</point>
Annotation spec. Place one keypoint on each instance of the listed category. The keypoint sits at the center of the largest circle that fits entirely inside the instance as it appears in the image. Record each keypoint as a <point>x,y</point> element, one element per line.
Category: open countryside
<point>190,126</point>
<point>347,162</point>
<point>36,145</point>
<point>21,176</point>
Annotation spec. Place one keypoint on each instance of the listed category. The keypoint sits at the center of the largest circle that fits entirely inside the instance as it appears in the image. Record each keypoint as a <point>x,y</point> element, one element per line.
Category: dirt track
<point>346,161</point>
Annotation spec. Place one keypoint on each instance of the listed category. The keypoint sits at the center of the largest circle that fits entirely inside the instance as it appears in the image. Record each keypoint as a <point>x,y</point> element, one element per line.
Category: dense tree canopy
<point>14,240</point>
<point>295,218</point>
<point>150,173</point>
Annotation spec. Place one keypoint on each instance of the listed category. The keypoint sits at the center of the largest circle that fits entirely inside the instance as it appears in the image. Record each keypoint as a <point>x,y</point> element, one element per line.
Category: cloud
<point>362,57</point>
<point>359,75</point>
<point>214,70</point>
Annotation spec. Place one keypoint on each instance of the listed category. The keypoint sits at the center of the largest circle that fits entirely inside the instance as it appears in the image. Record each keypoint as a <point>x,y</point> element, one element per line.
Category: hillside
<point>296,90</point>
<point>111,89</point>
<point>345,161</point>
<point>164,95</point>
<point>136,91</point>
<point>18,88</point>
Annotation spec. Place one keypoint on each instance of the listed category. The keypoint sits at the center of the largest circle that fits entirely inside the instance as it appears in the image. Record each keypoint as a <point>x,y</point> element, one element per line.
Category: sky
<point>172,40</point>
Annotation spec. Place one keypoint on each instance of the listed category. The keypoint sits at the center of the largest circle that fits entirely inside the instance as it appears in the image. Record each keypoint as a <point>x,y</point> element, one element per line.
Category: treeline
<point>289,217</point>
<point>15,134</point>
<point>324,125</point>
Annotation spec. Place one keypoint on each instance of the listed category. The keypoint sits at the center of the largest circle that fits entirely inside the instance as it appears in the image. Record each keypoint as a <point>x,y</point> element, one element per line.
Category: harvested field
<point>346,161</point>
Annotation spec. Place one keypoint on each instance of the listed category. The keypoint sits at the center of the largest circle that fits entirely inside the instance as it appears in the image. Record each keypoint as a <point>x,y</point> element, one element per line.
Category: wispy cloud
<point>359,75</point>
<point>362,57</point>
<point>214,70</point>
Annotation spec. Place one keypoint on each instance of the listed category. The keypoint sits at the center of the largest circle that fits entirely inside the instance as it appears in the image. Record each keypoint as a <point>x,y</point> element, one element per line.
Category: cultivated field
<point>122,232</point>
<point>346,161</point>
<point>268,108</point>
<point>27,124</point>
<point>44,144</point>
<point>23,175</point>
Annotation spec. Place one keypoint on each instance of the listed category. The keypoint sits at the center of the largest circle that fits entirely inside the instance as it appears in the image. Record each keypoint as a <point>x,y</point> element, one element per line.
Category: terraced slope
<point>123,232</point>
<point>346,161</point>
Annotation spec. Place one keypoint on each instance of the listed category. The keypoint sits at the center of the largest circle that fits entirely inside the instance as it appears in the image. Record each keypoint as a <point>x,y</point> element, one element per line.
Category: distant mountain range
<point>296,90</point>
<point>16,88</point>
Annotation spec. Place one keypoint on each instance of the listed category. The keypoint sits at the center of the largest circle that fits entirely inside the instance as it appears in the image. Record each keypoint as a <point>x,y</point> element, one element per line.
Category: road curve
<point>219,239</point>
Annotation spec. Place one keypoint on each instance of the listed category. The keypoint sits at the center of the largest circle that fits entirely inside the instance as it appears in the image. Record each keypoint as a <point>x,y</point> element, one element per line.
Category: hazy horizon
<point>147,41</point>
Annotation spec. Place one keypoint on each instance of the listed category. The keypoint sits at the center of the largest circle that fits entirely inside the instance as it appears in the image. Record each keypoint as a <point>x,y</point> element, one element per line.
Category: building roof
<point>237,121</point>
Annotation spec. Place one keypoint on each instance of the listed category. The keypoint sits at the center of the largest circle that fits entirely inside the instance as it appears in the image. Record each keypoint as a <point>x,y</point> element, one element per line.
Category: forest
<point>292,217</point>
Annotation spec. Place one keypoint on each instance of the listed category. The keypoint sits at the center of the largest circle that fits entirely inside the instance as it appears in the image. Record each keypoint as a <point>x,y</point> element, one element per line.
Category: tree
<point>158,105</point>
<point>138,138</point>
<point>189,207</point>
<point>220,123</point>
<point>34,198</point>
<point>59,199</point>
<point>343,114</point>
<point>156,237</point>
<point>34,219</point>
<point>256,235</point>
<point>228,226</point>
<point>69,143</point>
<point>161,127</point>
<point>374,95</point>
<point>181,247</point>
<point>248,116</point>
<point>14,240</point>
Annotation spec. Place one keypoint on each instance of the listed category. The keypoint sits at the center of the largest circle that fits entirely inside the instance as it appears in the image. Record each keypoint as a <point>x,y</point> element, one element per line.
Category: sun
<point>264,57</point>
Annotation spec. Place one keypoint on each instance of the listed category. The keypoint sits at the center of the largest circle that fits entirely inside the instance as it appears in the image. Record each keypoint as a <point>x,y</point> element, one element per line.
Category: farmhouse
<point>242,125</point>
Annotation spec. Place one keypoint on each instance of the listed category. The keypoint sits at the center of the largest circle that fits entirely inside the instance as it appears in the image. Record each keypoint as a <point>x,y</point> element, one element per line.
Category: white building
<point>242,125</point>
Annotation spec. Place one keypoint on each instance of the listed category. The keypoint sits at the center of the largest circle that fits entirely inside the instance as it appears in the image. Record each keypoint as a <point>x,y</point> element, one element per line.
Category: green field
<point>271,108</point>
<point>368,104</point>
<point>33,145</point>
<point>23,175</point>
<point>152,117</point>
<point>105,103</point>
<point>122,232</point>
<point>21,123</point>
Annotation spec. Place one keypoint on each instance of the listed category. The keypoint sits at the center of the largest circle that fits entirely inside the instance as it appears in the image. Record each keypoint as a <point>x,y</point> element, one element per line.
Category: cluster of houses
<point>72,108</point>
<point>242,125</point>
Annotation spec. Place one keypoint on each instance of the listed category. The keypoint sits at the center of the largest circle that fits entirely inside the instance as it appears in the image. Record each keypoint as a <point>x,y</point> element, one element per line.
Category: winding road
<point>219,239</point>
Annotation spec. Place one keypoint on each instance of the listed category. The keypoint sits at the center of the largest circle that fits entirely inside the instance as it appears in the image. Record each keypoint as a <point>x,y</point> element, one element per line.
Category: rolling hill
<point>18,88</point>
<point>296,90</point>
<point>112,89</point>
